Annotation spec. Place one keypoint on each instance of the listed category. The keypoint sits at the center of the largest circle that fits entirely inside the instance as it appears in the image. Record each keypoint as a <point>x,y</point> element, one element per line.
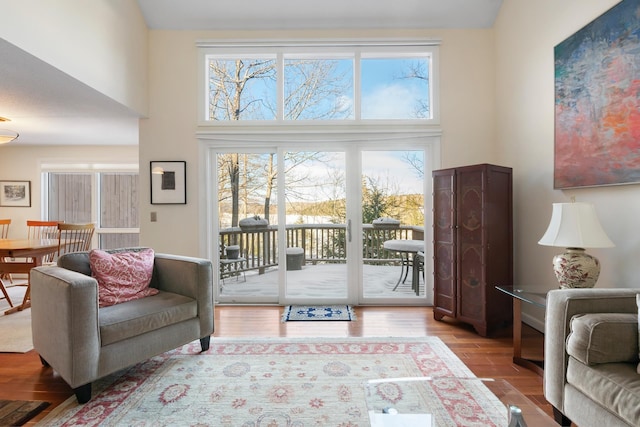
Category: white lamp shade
<point>575,225</point>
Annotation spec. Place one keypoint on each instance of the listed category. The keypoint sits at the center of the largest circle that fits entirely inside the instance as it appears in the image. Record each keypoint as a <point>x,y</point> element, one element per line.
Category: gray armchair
<point>591,357</point>
<point>83,342</point>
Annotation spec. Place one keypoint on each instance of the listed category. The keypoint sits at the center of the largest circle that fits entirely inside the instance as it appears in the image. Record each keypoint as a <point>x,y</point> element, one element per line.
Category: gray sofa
<point>83,342</point>
<point>591,357</point>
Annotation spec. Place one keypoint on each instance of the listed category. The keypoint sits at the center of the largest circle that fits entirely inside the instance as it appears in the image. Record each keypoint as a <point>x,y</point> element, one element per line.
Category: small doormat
<point>318,312</point>
<point>18,412</point>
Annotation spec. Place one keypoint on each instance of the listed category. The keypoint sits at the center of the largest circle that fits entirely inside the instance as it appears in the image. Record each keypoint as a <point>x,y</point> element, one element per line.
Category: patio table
<point>408,250</point>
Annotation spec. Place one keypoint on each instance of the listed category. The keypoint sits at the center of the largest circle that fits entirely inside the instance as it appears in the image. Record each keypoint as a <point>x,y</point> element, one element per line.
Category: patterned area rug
<point>15,328</point>
<point>282,382</point>
<point>318,312</point>
<point>18,412</point>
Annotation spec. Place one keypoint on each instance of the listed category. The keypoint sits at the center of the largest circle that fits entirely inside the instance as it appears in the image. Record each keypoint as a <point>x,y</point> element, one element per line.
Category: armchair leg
<point>560,418</point>
<point>83,393</point>
<point>204,343</point>
<point>44,362</point>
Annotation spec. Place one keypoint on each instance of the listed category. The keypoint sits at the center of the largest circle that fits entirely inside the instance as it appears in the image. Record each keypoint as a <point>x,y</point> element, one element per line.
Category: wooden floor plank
<point>23,377</point>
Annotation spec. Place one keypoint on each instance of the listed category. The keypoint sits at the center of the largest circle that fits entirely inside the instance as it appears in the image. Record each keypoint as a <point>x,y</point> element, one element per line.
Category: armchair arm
<point>188,276</point>
<point>64,322</point>
<point>562,305</point>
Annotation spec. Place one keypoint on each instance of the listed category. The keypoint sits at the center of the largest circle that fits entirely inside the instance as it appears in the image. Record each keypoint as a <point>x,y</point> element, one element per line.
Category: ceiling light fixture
<point>7,135</point>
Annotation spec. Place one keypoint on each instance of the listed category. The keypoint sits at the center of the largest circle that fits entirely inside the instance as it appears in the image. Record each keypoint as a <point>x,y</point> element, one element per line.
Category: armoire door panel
<point>444,237</point>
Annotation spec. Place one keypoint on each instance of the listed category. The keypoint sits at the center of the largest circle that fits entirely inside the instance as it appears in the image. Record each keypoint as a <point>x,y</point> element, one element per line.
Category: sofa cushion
<point>604,338</point>
<point>614,386</point>
<point>132,318</point>
<point>122,276</point>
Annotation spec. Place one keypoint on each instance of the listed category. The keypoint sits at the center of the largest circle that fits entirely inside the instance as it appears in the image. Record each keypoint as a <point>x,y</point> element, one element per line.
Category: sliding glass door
<point>316,227</point>
<point>345,224</point>
<point>393,220</point>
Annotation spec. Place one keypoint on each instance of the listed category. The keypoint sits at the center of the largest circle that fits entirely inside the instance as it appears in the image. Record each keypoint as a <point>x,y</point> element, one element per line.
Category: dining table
<point>33,251</point>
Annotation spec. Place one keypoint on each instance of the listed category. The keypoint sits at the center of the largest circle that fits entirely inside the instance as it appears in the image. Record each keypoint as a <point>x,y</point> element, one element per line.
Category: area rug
<point>15,328</point>
<point>318,312</point>
<point>281,382</point>
<point>18,412</point>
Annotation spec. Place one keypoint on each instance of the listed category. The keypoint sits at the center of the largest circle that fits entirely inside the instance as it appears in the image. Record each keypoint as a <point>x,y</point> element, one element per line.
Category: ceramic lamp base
<point>576,269</point>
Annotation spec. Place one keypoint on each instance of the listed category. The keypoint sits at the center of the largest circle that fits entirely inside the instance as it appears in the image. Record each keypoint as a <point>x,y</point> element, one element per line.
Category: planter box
<point>250,224</point>
<point>386,223</point>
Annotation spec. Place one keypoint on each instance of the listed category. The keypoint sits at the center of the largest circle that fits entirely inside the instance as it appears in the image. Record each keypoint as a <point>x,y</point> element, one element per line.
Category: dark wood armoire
<point>473,245</point>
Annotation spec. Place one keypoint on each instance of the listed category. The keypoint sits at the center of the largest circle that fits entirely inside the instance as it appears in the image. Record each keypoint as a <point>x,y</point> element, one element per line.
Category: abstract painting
<point>597,101</point>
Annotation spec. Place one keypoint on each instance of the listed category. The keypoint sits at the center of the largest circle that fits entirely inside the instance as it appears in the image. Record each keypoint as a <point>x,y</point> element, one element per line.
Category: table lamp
<point>576,227</point>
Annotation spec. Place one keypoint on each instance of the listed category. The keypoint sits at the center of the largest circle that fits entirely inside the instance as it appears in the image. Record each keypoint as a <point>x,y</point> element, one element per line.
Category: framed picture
<point>597,100</point>
<point>168,183</point>
<point>15,193</point>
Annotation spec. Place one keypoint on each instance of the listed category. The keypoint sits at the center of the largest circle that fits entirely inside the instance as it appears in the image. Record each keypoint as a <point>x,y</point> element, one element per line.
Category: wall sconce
<point>575,226</point>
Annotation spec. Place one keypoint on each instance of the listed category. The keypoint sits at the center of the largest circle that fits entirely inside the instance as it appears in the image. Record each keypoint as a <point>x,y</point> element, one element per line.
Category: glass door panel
<point>247,224</point>
<point>315,227</point>
<point>393,247</point>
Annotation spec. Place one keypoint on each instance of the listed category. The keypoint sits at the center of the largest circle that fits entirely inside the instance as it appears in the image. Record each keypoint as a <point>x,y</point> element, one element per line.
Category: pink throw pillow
<point>123,276</point>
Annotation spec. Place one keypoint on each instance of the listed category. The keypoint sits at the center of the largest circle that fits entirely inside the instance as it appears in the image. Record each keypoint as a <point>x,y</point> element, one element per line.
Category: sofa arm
<point>191,277</point>
<point>562,306</point>
<point>64,322</point>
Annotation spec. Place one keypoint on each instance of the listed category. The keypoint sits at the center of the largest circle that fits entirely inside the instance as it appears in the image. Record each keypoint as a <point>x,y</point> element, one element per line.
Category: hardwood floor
<point>23,377</point>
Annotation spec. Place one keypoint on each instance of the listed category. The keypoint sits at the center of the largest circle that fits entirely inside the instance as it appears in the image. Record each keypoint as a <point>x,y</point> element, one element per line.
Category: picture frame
<point>597,102</point>
<point>15,194</point>
<point>168,182</point>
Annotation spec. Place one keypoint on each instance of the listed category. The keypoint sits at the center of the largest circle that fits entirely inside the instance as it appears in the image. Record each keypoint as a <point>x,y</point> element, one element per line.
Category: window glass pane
<point>119,200</point>
<point>69,197</point>
<point>242,89</point>
<point>119,240</point>
<point>246,187</point>
<point>318,89</point>
<point>395,88</point>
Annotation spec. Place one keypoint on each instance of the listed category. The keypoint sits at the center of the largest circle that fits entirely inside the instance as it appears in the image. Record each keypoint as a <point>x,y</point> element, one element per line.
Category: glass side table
<point>449,401</point>
<point>536,299</point>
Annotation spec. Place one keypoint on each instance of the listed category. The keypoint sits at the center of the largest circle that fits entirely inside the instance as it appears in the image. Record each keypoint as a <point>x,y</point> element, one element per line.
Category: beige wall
<point>23,164</point>
<point>526,33</point>
<point>466,97</point>
<point>102,43</point>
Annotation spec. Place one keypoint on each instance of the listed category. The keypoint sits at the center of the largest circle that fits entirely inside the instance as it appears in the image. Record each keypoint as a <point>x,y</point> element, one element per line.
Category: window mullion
<point>280,86</point>
<point>357,88</point>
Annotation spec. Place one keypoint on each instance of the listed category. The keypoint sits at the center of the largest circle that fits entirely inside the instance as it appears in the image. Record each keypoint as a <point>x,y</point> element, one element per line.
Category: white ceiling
<point>48,107</point>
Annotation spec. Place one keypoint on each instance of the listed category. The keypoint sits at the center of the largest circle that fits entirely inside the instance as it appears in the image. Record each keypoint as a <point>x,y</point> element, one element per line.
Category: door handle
<point>349,231</point>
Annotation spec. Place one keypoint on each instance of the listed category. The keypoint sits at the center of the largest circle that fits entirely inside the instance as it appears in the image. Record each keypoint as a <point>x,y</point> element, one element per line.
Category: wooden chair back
<point>75,237</point>
<point>42,229</point>
<point>4,228</point>
<point>4,233</point>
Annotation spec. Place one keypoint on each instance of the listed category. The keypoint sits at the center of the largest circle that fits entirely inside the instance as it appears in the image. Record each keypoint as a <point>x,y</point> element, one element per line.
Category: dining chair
<point>74,237</point>
<point>4,233</point>
<point>43,230</point>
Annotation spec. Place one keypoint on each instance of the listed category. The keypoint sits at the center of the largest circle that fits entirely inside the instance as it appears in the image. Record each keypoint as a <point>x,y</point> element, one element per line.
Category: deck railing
<point>322,243</point>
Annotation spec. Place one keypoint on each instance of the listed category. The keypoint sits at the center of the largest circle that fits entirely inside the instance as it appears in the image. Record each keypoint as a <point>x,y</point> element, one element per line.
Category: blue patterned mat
<point>318,312</point>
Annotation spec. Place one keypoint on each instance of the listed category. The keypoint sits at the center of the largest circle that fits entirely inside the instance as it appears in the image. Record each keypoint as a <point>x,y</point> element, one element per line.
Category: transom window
<point>319,82</point>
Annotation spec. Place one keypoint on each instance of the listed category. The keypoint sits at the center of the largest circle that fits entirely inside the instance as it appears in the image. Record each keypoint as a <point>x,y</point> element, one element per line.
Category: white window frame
<point>95,169</point>
<point>356,48</point>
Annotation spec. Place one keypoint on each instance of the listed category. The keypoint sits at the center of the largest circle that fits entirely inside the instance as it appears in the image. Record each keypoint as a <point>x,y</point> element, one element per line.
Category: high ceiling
<point>48,107</point>
<point>325,14</point>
